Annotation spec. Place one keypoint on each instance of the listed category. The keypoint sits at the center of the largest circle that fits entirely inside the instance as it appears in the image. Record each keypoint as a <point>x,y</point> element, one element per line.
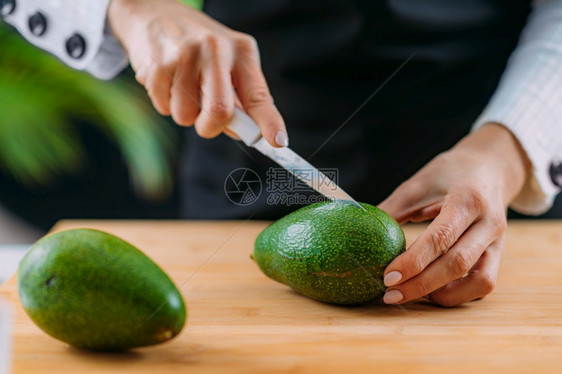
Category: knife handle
<point>245,127</point>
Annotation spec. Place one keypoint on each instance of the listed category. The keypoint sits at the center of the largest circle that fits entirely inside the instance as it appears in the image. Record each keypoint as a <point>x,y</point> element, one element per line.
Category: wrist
<point>500,150</point>
<point>119,15</point>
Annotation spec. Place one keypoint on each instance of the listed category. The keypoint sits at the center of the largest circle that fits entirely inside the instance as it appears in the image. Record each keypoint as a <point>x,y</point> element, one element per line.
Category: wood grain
<point>242,322</point>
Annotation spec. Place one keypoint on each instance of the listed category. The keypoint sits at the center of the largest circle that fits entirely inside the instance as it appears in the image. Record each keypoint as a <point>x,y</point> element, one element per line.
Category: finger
<point>237,100</point>
<point>255,96</point>
<point>449,267</point>
<point>479,282</point>
<point>158,86</point>
<point>217,93</point>
<point>141,74</point>
<point>408,198</point>
<point>185,92</point>
<point>426,213</point>
<point>237,103</point>
<point>456,215</point>
<point>233,135</point>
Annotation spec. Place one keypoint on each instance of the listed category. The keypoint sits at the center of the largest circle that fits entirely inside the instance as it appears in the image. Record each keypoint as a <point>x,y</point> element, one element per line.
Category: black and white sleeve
<point>75,31</point>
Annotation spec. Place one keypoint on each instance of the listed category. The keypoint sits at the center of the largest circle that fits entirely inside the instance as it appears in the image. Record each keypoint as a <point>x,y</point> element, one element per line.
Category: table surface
<point>242,322</point>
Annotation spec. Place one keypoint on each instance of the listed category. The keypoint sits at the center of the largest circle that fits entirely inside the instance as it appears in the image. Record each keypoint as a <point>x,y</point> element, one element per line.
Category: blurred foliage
<point>42,103</point>
<point>197,4</point>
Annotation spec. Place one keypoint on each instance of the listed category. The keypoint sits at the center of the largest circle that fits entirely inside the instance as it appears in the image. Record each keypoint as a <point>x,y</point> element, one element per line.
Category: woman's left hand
<point>466,192</point>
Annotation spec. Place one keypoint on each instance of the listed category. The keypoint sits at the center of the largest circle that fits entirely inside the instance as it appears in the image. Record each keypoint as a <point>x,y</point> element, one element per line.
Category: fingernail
<point>392,278</point>
<point>392,297</point>
<point>281,138</point>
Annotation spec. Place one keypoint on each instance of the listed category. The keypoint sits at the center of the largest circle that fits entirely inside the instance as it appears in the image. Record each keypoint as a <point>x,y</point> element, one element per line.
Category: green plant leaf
<point>40,101</point>
<point>197,4</point>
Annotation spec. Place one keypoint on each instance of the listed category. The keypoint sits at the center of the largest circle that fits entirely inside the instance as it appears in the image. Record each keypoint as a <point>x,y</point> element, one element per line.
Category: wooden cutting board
<point>242,322</point>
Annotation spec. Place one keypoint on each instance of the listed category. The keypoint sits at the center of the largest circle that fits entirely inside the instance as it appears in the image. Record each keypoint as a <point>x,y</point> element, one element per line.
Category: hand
<point>194,68</point>
<point>466,192</point>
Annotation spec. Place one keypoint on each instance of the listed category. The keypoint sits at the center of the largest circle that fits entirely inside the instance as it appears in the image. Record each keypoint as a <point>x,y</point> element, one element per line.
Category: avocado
<point>334,252</point>
<point>95,291</point>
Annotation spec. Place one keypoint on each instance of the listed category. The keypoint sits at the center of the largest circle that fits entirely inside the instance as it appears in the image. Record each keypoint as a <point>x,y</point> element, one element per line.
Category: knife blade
<point>249,132</point>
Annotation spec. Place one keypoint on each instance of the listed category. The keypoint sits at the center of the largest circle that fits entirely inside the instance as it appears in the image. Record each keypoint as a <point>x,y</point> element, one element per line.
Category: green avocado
<point>333,252</point>
<point>95,291</point>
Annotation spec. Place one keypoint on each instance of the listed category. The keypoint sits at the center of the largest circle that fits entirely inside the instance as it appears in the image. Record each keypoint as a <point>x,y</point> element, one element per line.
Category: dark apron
<point>323,59</point>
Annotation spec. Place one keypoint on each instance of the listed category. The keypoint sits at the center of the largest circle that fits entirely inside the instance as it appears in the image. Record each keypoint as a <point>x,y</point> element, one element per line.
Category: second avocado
<point>333,252</point>
<point>95,291</point>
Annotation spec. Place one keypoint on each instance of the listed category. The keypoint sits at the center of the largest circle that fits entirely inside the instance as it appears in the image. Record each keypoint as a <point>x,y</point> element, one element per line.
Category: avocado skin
<point>95,291</point>
<point>332,252</point>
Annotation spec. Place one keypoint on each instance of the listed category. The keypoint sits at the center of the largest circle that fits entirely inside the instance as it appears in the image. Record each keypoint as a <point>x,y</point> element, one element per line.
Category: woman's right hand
<point>194,68</point>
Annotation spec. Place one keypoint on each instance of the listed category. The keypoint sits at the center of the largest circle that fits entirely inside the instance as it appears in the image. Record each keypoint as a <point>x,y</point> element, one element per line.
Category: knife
<point>249,132</point>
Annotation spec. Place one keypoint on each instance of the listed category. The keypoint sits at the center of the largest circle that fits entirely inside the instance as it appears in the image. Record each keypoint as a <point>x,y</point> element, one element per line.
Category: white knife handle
<point>245,127</point>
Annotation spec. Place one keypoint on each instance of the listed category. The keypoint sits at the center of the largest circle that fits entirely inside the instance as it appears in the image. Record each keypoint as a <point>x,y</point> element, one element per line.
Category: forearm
<point>528,102</point>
